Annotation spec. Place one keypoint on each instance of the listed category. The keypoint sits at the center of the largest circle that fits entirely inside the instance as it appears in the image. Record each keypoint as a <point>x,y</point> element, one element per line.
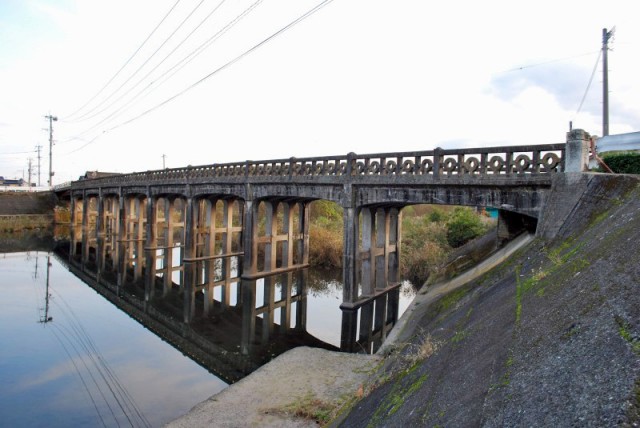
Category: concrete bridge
<point>252,217</point>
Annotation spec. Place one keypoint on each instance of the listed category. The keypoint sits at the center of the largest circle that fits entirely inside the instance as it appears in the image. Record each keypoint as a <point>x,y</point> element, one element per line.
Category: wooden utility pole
<point>29,174</point>
<point>51,120</point>
<point>606,35</point>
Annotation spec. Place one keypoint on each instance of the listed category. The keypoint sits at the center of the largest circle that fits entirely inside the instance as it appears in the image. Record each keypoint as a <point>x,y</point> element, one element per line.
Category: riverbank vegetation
<point>429,234</point>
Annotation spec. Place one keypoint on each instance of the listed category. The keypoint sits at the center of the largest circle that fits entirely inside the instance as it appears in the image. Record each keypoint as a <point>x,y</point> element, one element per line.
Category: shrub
<point>325,248</point>
<point>463,226</point>
<point>623,163</point>
<point>421,262</point>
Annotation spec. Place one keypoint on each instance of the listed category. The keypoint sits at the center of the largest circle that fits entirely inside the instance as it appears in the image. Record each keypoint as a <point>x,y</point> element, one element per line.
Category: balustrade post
<point>437,162</point>
<point>576,155</point>
<point>351,161</point>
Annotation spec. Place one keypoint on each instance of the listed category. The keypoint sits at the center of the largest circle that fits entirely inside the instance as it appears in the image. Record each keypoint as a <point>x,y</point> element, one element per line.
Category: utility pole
<point>51,120</point>
<point>29,180</point>
<point>46,318</point>
<point>606,35</point>
<point>38,147</point>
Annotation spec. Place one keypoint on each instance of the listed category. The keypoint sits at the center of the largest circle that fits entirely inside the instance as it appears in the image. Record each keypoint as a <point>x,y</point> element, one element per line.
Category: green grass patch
<point>624,329</point>
<point>395,399</point>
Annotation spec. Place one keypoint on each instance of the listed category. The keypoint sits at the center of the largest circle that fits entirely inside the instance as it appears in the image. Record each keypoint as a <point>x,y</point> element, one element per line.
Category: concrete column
<point>248,315</point>
<point>271,230</point>
<point>151,242</point>
<point>249,241</point>
<point>349,260</point>
<point>289,244</point>
<point>85,229</point>
<point>168,246</point>
<point>209,244</point>
<point>367,256</point>
<point>381,258</point>
<point>100,250</point>
<point>72,230</point>
<point>576,156</point>
<point>349,328</point>
<point>305,221</point>
<point>189,268</point>
<point>395,233</point>
<point>139,238</point>
<point>121,237</point>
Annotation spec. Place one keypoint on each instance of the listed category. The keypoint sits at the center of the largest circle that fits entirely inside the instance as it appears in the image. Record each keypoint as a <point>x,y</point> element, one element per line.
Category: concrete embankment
<point>20,211</point>
<point>550,337</point>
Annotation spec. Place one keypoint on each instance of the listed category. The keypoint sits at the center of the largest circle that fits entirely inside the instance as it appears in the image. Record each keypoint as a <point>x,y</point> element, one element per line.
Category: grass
<point>311,408</point>
<point>624,329</point>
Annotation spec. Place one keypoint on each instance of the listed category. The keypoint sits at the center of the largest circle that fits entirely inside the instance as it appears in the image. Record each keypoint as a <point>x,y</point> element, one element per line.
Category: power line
<point>595,67</point>
<point>233,61</point>
<point>214,72</point>
<point>84,117</point>
<point>17,153</point>
<point>173,70</point>
<point>524,67</point>
<point>127,61</point>
<point>157,65</point>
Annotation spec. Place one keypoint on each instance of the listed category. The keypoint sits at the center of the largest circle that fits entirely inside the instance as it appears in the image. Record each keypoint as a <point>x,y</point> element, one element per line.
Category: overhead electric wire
<point>159,64</point>
<point>524,67</point>
<point>17,153</point>
<point>126,62</point>
<point>196,52</point>
<point>90,348</point>
<point>88,371</point>
<point>84,117</point>
<point>173,70</point>
<point>229,63</point>
<point>595,67</point>
<point>81,377</point>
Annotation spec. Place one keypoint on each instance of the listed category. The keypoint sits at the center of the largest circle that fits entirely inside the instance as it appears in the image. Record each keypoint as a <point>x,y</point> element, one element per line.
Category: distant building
<point>17,182</point>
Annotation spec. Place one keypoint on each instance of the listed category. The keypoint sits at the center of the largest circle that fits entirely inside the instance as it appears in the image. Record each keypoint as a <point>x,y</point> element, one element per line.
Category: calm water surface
<point>75,359</point>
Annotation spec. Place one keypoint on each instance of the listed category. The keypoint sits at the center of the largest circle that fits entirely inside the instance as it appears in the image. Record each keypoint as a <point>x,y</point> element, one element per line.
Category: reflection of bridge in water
<point>215,230</point>
<point>201,306</point>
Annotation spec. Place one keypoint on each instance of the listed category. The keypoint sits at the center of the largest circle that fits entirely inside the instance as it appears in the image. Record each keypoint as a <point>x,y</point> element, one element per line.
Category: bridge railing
<point>491,161</point>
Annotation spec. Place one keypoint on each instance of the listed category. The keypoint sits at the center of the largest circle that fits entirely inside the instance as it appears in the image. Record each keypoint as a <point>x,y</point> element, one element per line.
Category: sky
<point>148,84</point>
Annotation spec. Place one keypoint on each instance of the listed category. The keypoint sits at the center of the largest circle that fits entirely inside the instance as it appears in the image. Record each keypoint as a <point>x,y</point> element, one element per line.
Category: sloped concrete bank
<point>551,337</point>
<point>548,337</point>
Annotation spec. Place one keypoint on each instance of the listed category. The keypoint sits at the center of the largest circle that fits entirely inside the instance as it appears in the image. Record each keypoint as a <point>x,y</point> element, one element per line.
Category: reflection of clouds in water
<point>41,384</point>
<point>52,374</point>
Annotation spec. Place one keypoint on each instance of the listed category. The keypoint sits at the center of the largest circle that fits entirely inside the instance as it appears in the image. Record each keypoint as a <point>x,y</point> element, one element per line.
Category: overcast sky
<point>358,76</point>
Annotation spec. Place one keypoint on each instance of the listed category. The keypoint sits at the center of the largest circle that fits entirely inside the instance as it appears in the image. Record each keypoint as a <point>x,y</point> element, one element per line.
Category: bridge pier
<point>370,274</point>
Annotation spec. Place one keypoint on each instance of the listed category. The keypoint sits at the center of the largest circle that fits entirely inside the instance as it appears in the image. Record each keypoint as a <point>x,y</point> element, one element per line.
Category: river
<point>78,353</point>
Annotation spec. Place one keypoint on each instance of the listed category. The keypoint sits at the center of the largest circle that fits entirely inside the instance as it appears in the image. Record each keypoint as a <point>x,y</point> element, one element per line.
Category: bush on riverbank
<point>623,163</point>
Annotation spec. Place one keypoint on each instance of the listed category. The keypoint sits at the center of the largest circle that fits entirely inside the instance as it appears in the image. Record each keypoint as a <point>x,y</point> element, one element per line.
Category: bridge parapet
<point>435,164</point>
